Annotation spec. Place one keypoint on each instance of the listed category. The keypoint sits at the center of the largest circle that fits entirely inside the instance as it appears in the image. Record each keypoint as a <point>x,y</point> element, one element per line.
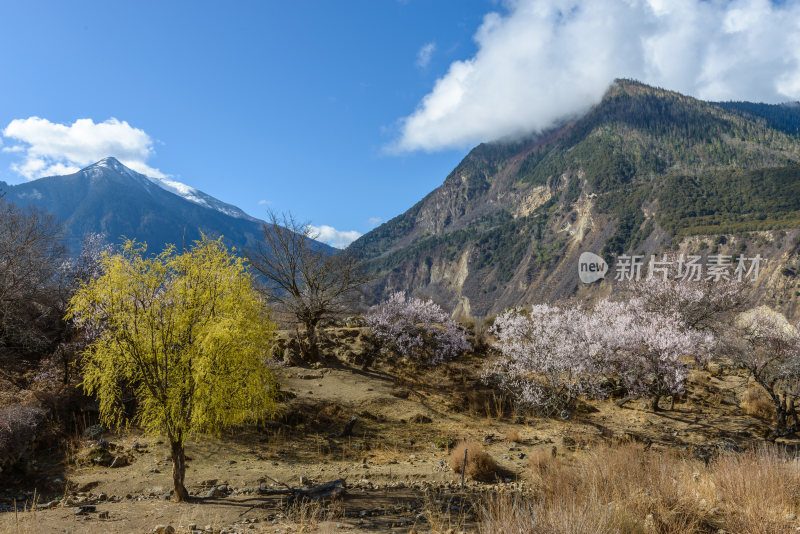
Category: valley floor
<point>395,461</point>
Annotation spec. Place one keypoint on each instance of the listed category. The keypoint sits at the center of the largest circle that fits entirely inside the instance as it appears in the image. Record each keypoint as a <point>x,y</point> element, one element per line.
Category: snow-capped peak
<point>182,190</point>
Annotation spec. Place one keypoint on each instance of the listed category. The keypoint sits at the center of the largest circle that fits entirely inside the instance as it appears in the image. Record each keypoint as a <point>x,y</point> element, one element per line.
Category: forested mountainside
<point>645,171</point>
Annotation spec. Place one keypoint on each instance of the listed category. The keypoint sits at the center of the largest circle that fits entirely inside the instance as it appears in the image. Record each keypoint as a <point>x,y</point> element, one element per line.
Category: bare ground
<point>398,480</point>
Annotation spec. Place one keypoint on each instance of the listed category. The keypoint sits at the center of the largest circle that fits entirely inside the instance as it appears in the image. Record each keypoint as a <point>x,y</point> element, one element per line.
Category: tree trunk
<point>654,402</point>
<point>312,353</point>
<point>179,471</point>
<point>781,411</point>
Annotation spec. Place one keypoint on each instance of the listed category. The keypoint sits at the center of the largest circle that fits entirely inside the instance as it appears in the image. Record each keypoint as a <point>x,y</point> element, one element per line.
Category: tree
<point>552,355</point>
<point>706,305</point>
<point>417,329</point>
<point>769,349</point>
<point>302,279</point>
<point>74,272</point>
<point>187,333</point>
<point>30,253</point>
<point>548,357</point>
<point>644,348</point>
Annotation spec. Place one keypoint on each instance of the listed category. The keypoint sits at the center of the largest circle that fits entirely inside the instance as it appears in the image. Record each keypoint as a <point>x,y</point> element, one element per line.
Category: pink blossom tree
<point>416,329</point>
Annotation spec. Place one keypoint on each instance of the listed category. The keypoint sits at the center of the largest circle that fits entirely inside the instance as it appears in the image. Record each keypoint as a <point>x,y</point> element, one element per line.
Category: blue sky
<point>344,112</point>
<point>290,103</point>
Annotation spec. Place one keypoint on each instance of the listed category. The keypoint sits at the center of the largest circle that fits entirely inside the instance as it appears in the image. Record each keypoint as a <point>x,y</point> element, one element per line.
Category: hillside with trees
<point>646,171</point>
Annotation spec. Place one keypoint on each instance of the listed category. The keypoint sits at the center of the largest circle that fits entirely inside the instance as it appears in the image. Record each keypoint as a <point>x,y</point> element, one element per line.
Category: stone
<point>163,529</point>
<point>103,515</point>
<point>104,458</point>
<point>85,509</point>
<point>216,491</point>
<point>119,461</point>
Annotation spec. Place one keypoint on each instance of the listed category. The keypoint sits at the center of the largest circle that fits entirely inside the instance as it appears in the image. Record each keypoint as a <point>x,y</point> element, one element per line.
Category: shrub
<point>480,466</point>
<point>757,403</point>
<point>512,435</point>
<point>417,329</point>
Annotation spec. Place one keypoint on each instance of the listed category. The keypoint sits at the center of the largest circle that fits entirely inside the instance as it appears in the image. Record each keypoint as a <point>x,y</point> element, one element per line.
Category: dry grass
<point>629,490</point>
<point>313,516</point>
<point>757,403</point>
<point>512,435</point>
<point>480,466</point>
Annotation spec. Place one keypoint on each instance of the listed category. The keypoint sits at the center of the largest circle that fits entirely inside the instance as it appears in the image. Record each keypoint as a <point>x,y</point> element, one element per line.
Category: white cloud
<point>374,221</point>
<point>49,148</point>
<point>264,202</point>
<point>333,237</point>
<point>547,60</point>
<point>425,54</point>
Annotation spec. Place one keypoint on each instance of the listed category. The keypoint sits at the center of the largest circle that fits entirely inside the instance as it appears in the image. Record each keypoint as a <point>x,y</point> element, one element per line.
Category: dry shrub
<point>512,435</point>
<point>480,466</point>
<point>629,489</point>
<point>757,403</point>
<point>759,488</point>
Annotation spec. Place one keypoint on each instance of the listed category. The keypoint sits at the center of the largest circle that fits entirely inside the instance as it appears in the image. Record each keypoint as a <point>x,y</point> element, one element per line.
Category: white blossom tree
<point>416,329</point>
<point>552,355</point>
<point>548,357</point>
<point>706,305</point>
<point>644,349</point>
<point>770,351</point>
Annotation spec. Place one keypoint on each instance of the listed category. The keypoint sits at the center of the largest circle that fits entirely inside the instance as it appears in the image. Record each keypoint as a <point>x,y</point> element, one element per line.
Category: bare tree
<point>304,280</point>
<point>30,255</point>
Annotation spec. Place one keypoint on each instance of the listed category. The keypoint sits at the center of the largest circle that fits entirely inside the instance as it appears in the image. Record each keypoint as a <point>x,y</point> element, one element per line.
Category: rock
<point>104,459</point>
<point>119,461</point>
<point>85,509</point>
<point>216,491</point>
<point>401,393</point>
<point>163,529</point>
<point>421,419</point>
<point>103,515</point>
<point>304,481</point>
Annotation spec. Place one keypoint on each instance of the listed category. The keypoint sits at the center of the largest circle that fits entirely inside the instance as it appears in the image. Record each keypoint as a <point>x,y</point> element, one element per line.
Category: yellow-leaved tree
<point>187,333</point>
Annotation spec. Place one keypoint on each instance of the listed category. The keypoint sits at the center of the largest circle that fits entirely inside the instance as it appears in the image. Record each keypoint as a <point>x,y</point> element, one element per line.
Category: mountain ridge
<point>507,224</point>
<point>109,198</point>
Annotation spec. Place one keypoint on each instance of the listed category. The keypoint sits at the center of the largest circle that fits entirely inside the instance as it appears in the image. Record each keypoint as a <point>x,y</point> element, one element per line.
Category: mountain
<point>645,171</point>
<point>107,197</point>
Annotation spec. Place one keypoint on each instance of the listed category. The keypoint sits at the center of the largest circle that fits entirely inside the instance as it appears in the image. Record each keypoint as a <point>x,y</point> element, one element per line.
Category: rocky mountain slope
<point>646,171</point>
<point>109,198</point>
